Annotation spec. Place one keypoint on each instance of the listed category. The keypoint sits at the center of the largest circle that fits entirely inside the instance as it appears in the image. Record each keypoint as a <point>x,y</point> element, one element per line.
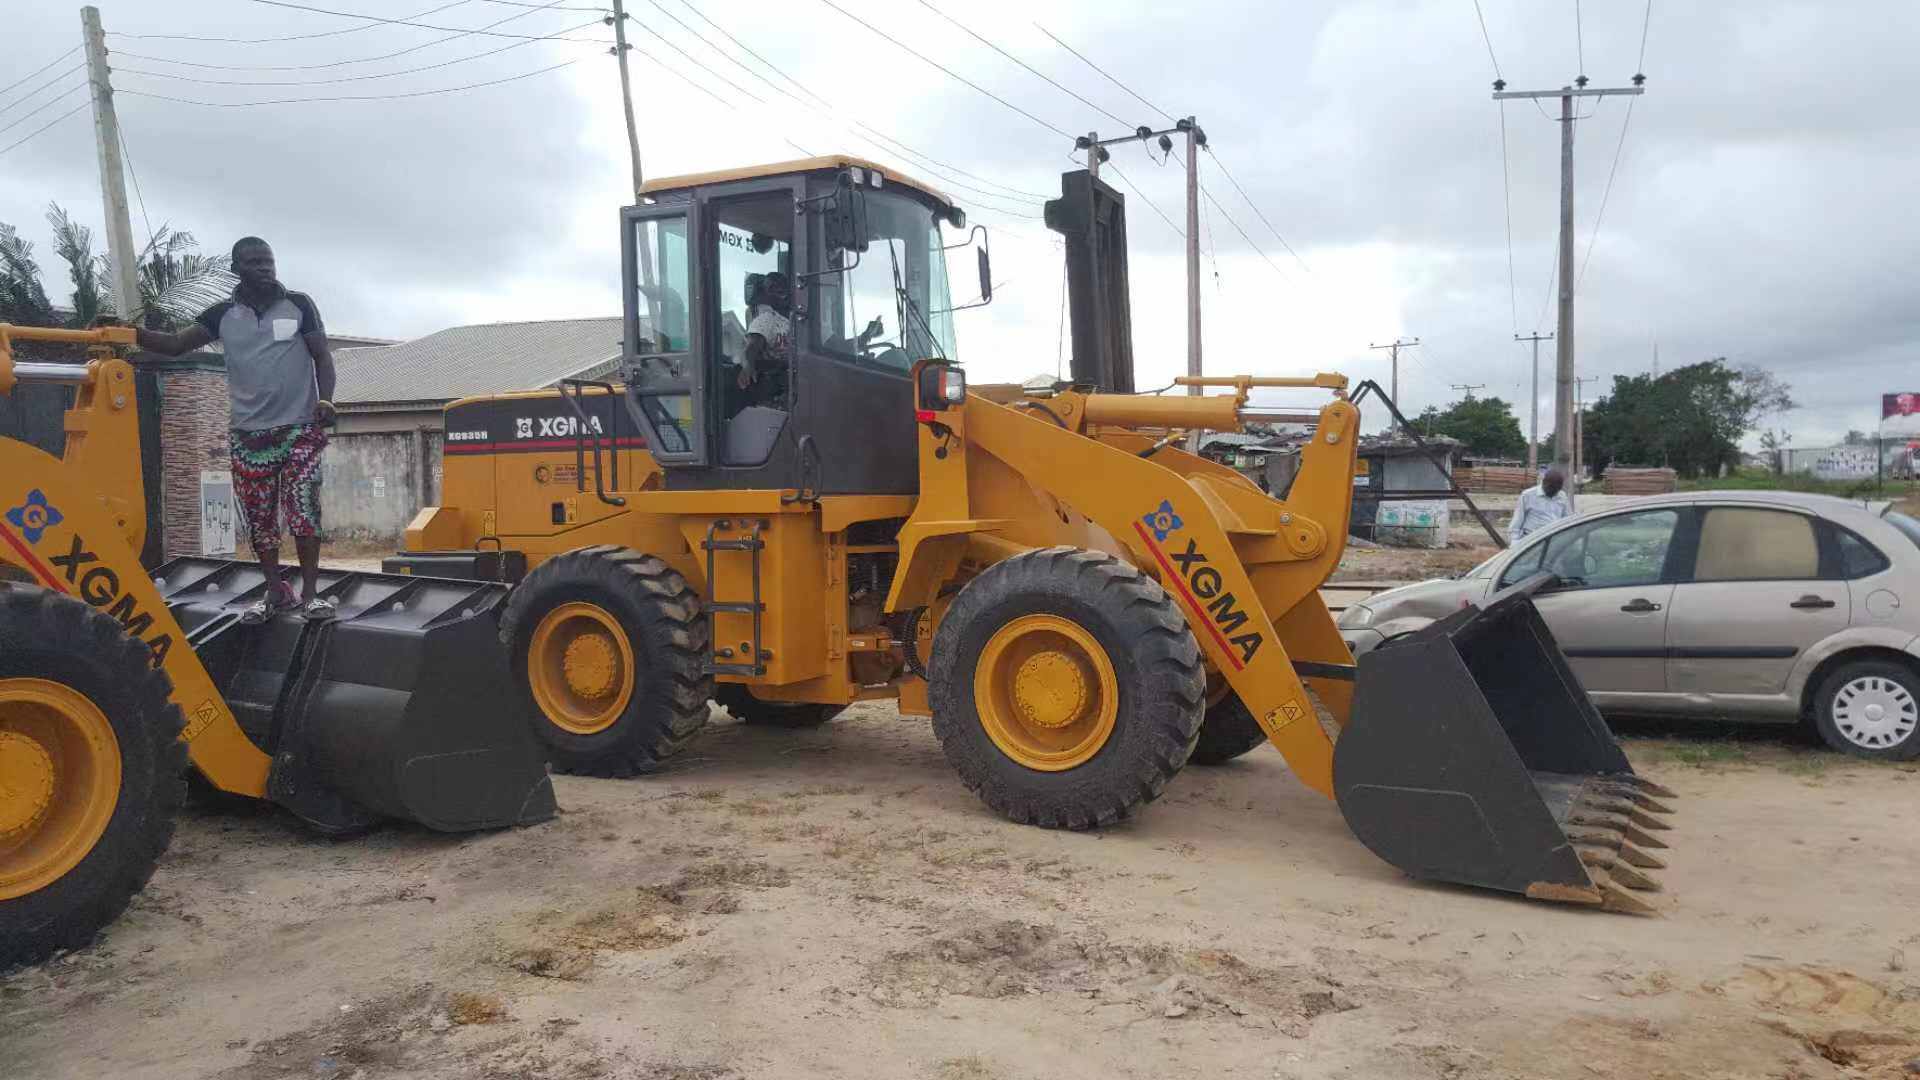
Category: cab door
<point>667,383</point>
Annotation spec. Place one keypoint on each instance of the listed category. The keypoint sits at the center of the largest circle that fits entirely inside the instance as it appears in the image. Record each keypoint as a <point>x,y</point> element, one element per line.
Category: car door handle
<point>1810,602</point>
<point>1639,606</point>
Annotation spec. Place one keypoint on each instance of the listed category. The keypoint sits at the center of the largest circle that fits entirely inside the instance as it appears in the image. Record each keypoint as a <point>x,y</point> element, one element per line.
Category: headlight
<point>1357,617</point>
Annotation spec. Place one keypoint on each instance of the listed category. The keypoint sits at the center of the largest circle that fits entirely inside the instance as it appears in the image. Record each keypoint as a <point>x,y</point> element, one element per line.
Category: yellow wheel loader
<point>787,498</point>
<point>115,680</point>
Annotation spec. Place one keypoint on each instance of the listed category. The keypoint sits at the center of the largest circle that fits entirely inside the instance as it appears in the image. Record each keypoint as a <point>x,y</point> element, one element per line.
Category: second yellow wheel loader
<point>114,680</point>
<point>788,498</point>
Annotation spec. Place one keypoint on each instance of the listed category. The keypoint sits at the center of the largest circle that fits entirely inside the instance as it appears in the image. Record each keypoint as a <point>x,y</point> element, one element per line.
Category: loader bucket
<point>401,707</point>
<point>1474,756</point>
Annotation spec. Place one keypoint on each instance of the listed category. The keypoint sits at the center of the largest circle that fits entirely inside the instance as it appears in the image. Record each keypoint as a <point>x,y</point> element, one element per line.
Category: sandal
<point>319,609</point>
<point>264,609</point>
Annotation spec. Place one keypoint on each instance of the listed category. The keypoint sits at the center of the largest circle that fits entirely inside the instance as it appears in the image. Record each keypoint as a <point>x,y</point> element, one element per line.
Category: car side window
<point>1625,549</point>
<point>1858,558</point>
<point>1739,543</point>
<point>1524,565</point>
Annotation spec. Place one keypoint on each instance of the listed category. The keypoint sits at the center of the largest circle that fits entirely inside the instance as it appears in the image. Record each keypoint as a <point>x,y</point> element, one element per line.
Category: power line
<point>4,109</point>
<point>669,43</point>
<point>44,106</point>
<point>48,124</point>
<point>270,40</point>
<point>900,147</point>
<point>825,110</point>
<point>1579,38</point>
<point>357,78</point>
<point>142,199</point>
<point>1488,38</point>
<point>357,97</point>
<point>345,63</point>
<point>410,22</point>
<point>924,59</point>
<point>1104,75</point>
<point>75,49</point>
<point>1646,21</point>
<point>1605,193</point>
<point>544,7</point>
<point>1506,202</point>
<point>1243,233</point>
<point>1029,67</point>
<point>1115,169</point>
<point>1256,210</point>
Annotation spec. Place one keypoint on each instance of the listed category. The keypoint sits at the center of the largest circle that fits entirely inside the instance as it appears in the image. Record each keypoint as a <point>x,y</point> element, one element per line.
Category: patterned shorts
<point>278,471</point>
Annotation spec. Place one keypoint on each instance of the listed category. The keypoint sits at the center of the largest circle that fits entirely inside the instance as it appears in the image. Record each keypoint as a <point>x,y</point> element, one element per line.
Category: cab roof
<point>778,168</point>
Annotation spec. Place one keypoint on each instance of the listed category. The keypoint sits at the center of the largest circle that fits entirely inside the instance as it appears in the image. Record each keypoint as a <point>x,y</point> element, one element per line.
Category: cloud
<point>1760,210</point>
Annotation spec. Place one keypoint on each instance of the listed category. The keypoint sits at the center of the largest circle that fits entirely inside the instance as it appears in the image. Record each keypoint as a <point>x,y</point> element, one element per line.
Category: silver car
<point>1749,605</point>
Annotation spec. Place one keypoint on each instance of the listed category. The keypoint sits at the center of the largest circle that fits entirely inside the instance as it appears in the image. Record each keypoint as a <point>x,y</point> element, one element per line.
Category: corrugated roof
<point>462,361</point>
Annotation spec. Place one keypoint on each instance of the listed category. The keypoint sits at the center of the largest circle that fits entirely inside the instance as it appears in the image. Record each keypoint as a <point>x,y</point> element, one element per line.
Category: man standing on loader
<point>280,388</point>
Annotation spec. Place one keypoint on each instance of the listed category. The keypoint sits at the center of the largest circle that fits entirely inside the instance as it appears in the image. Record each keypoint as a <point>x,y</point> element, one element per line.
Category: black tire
<point>44,635</point>
<point>1228,731</point>
<point>1888,679</point>
<point>747,709</point>
<point>1156,662</point>
<point>660,614</point>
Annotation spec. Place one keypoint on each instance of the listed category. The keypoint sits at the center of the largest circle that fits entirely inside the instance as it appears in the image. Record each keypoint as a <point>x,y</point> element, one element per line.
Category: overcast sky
<point>1762,209</point>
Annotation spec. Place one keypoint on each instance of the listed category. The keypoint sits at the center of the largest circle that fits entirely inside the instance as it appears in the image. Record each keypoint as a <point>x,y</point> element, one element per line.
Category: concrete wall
<point>193,437</point>
<point>373,483</point>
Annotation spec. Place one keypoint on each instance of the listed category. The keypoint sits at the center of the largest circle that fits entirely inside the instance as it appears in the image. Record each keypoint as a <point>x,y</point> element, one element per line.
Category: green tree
<point>1483,425</point>
<point>1690,419</point>
<point>176,282</point>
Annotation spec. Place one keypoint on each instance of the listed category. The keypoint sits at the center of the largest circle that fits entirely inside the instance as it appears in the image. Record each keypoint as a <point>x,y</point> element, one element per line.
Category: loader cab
<point>840,266</point>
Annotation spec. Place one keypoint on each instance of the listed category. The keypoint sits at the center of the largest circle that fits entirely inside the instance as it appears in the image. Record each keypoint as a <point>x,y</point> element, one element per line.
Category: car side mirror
<point>986,276</point>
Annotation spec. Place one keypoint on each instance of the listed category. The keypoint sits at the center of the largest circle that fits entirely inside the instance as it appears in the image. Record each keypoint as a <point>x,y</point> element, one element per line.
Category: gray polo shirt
<point>270,376</point>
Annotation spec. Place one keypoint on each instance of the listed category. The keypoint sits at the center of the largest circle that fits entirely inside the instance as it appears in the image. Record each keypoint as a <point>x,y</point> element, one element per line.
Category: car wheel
<point>1870,708</point>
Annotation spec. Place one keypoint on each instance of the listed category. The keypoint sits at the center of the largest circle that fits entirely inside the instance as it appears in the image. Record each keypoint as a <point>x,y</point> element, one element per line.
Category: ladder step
<point>738,607</point>
<point>717,668</point>
<point>732,545</point>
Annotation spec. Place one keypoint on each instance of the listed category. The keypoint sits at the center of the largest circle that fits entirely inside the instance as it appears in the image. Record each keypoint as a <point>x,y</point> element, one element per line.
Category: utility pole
<point>1533,402</point>
<point>1563,369</point>
<point>619,51</point>
<point>1580,421</point>
<point>1095,154</point>
<point>1195,138</point>
<point>1394,348</point>
<point>1469,388</point>
<point>113,176</point>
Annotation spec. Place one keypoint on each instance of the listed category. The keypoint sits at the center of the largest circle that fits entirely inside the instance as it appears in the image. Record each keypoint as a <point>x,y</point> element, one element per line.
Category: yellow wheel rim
<point>580,666</point>
<point>59,782</point>
<point>1046,692</point>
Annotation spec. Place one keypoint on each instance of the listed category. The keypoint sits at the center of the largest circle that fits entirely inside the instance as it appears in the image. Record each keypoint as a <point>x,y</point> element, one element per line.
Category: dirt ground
<point>832,903</point>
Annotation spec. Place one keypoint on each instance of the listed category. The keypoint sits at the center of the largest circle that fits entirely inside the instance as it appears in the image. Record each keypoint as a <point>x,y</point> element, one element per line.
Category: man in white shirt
<point>766,365</point>
<point>1540,505</point>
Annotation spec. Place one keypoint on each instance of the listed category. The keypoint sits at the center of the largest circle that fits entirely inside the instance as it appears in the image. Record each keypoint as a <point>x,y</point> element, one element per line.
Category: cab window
<point>888,306</point>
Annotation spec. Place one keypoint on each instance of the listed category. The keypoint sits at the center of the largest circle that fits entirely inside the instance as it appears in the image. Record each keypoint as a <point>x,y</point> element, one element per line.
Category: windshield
<point>891,305</point>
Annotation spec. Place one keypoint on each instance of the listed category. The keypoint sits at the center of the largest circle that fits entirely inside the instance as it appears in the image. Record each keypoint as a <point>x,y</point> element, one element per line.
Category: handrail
<point>583,427</point>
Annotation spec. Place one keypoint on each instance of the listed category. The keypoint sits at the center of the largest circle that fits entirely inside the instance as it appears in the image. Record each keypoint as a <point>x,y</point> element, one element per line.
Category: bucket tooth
<point>1643,839</point>
<point>1634,856</point>
<point>1614,898</point>
<point>1647,821</point>
<point>1616,843</point>
<point>1658,791</point>
<point>1634,794</point>
<point>1618,870</point>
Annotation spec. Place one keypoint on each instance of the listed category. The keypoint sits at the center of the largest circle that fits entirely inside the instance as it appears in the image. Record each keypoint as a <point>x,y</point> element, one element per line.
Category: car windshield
<point>1908,527</point>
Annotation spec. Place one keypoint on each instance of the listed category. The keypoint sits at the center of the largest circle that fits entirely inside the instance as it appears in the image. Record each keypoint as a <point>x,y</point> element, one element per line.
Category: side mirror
<point>986,276</point>
<point>846,217</point>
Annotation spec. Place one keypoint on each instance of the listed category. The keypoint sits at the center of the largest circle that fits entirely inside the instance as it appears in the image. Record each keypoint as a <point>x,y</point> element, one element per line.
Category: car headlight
<point>1357,617</point>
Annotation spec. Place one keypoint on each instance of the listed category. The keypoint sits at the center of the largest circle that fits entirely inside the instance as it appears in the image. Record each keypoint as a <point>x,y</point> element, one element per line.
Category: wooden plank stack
<point>1625,481</point>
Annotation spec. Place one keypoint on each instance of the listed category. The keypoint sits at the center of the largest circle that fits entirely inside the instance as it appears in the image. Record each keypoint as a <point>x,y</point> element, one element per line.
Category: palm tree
<point>23,300</point>
<point>176,282</point>
<point>73,242</point>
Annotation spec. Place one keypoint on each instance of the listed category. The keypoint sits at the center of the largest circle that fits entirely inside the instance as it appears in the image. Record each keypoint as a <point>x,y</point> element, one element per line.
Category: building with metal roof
<point>403,386</point>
